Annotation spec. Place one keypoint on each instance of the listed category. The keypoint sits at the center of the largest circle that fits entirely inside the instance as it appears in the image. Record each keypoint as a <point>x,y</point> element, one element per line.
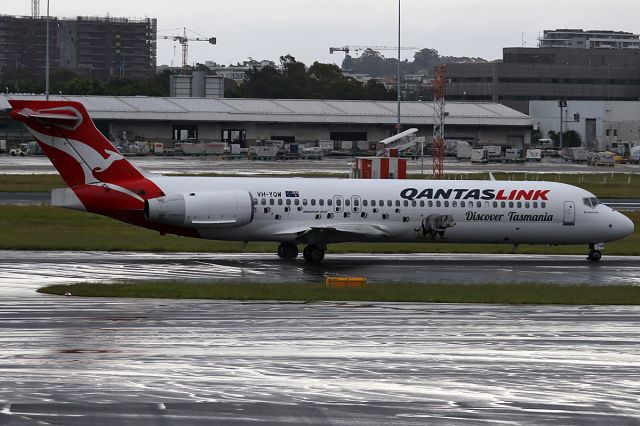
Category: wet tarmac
<point>194,164</point>
<point>77,361</point>
<point>28,268</point>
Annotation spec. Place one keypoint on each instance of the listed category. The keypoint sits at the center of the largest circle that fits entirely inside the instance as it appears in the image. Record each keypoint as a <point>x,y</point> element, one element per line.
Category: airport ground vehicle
<point>310,212</point>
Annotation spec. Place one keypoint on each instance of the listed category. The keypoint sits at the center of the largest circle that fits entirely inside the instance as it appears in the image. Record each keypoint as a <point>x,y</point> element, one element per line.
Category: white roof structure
<point>285,110</point>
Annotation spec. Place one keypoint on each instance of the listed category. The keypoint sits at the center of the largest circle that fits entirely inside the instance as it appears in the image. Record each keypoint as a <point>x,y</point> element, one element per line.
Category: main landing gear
<point>595,252</point>
<point>287,251</point>
<point>311,253</point>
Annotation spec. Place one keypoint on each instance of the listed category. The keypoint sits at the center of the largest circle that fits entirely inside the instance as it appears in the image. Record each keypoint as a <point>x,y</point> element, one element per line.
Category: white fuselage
<point>511,212</point>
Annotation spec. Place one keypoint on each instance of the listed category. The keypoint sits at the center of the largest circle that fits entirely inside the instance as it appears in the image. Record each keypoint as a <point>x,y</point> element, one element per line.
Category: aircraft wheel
<point>594,255</point>
<point>313,253</point>
<point>287,251</point>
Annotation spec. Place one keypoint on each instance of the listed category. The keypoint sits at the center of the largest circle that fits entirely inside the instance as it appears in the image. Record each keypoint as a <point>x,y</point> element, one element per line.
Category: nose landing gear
<point>595,252</point>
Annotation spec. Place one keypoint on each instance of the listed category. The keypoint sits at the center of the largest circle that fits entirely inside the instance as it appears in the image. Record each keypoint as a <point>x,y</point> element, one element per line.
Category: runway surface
<point>77,361</point>
<point>74,361</point>
<point>194,164</point>
<point>29,268</point>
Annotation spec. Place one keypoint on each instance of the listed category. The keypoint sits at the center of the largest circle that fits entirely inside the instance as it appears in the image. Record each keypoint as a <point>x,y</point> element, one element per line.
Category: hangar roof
<point>286,110</point>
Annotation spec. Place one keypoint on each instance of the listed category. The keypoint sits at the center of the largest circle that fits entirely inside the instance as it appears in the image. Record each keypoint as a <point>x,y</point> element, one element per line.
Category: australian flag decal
<point>291,193</point>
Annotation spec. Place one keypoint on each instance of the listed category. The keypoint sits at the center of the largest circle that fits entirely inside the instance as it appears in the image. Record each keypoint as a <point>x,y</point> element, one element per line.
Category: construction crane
<point>439,83</point>
<point>184,41</point>
<point>35,8</point>
<point>347,49</point>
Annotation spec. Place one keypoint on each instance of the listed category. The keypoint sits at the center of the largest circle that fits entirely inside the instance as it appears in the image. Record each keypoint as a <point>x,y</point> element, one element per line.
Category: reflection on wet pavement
<point>203,362</point>
<point>26,268</point>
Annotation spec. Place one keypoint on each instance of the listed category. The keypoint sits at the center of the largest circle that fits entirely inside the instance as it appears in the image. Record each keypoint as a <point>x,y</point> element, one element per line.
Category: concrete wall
<point>615,120</point>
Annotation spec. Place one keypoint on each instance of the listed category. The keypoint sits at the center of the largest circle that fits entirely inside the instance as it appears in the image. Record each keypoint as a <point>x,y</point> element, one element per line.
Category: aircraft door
<point>338,203</point>
<point>569,217</point>
<point>355,203</point>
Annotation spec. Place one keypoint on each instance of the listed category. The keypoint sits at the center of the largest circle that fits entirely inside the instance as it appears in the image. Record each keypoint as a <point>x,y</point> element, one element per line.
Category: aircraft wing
<point>335,233</point>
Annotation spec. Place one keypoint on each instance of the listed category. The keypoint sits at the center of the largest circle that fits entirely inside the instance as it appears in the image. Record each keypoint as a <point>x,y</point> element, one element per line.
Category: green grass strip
<point>512,294</point>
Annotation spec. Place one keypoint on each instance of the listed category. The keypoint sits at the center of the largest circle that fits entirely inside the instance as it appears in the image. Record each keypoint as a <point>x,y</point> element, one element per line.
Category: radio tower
<point>439,82</point>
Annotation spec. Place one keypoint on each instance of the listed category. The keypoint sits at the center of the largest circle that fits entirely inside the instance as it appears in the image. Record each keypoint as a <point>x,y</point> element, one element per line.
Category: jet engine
<point>201,209</point>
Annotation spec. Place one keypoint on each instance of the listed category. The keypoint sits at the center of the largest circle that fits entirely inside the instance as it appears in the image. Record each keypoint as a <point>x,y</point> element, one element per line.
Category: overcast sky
<point>268,29</point>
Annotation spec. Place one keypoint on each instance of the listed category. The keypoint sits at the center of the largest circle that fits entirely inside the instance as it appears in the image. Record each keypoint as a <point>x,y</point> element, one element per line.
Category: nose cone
<point>623,226</point>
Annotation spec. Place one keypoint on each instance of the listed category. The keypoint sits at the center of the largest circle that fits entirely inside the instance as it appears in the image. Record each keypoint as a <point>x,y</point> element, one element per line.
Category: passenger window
<point>365,203</point>
<point>486,204</point>
<point>462,203</point>
<point>338,202</point>
<point>430,203</point>
<point>519,204</point>
<point>272,201</point>
<point>446,204</point>
<point>263,202</point>
<point>321,202</point>
<point>279,201</point>
<point>478,204</point>
<point>373,203</point>
<point>406,203</point>
<point>254,201</point>
<point>288,201</point>
<point>543,204</point>
<point>356,203</point>
<point>414,203</point>
<point>421,203</point>
<point>503,204</point>
<point>526,204</point>
<point>389,203</point>
<point>535,204</point>
<point>304,201</point>
<point>438,203</point>
<point>381,203</point>
<point>495,204</point>
<point>510,204</point>
<point>347,202</point>
<point>454,203</point>
<point>329,202</point>
<point>313,201</point>
<point>397,203</point>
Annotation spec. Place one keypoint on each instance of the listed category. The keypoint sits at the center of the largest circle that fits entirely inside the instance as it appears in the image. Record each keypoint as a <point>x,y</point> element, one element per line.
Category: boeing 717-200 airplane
<point>310,212</point>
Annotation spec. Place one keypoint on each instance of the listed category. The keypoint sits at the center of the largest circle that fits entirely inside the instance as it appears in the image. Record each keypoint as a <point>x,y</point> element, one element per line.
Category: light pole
<point>46,66</point>
<point>398,124</point>
<point>562,104</point>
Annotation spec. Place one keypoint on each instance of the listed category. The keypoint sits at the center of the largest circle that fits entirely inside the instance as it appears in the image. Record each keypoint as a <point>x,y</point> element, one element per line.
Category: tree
<point>570,138</point>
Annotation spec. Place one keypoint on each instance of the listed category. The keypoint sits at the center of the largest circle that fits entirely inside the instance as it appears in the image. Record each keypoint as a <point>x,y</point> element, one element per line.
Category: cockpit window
<point>591,202</point>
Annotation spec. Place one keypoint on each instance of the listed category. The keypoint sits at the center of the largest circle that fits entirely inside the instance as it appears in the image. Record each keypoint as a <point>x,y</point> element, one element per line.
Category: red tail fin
<point>80,153</point>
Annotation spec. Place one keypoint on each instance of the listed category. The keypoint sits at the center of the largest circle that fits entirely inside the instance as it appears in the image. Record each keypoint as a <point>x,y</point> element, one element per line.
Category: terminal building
<point>569,64</point>
<point>245,121</point>
<point>95,47</point>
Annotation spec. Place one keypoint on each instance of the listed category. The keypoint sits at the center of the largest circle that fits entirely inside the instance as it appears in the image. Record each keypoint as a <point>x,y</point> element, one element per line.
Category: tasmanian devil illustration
<point>436,224</point>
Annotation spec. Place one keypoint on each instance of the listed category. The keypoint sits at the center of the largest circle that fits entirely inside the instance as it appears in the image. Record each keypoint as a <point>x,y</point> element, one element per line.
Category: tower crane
<point>184,41</point>
<point>347,49</point>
